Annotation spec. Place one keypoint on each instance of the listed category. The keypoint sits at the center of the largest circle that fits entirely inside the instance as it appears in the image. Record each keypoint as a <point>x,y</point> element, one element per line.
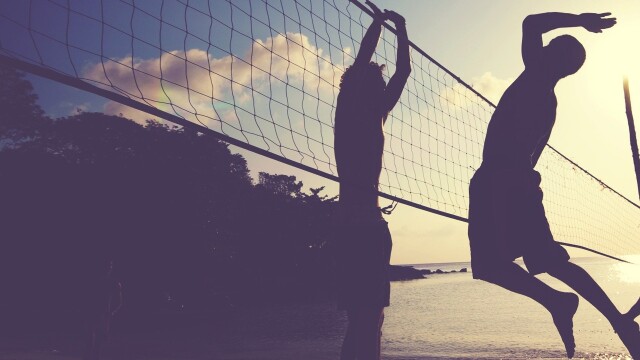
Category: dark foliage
<point>176,210</point>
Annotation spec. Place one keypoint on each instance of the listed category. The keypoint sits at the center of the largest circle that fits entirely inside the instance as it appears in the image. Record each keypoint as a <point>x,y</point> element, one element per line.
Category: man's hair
<point>566,54</point>
<point>373,74</point>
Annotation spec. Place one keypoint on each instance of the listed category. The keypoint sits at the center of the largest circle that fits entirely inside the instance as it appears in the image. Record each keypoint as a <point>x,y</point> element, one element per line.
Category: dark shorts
<point>507,221</point>
<point>362,254</point>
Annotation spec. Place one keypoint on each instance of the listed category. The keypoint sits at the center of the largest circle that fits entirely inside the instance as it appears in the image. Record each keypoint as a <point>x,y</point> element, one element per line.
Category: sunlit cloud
<point>491,86</point>
<point>199,87</point>
<point>487,84</point>
<point>70,108</point>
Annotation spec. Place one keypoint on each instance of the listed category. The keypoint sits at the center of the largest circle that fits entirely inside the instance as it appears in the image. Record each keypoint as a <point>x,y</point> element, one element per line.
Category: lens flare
<point>628,273</point>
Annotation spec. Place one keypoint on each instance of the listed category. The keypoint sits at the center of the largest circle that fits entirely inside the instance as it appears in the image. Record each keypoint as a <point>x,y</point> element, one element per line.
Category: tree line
<point>177,211</point>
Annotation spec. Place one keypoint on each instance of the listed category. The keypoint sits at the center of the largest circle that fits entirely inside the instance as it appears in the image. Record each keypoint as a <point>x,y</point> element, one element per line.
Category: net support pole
<point>633,140</point>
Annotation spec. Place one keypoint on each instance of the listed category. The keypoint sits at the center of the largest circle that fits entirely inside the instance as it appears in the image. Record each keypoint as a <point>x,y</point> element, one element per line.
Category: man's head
<point>370,79</point>
<point>564,56</point>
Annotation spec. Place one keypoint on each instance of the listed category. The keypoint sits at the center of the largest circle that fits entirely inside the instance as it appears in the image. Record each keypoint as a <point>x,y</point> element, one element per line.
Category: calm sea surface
<point>444,317</point>
<point>448,316</point>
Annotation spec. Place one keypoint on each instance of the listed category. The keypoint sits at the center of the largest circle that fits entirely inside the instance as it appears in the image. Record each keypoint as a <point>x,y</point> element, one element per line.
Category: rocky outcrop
<point>401,273</point>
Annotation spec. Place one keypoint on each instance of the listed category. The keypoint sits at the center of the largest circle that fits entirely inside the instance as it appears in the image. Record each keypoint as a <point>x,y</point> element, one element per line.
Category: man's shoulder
<point>527,89</point>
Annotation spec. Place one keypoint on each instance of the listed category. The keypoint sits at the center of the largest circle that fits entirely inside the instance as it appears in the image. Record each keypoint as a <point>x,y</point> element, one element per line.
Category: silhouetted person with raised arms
<point>506,216</point>
<point>364,241</point>
<point>104,301</point>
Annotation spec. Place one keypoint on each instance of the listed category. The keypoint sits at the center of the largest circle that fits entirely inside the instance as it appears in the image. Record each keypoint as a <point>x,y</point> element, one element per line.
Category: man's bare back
<point>522,122</point>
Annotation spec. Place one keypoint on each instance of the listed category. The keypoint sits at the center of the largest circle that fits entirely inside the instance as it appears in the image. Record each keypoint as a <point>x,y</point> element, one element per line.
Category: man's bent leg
<point>380,323</point>
<point>367,325</point>
<point>90,346</point>
<point>580,281</point>
<point>634,312</point>
<point>514,278</point>
<point>348,351</point>
<point>562,306</point>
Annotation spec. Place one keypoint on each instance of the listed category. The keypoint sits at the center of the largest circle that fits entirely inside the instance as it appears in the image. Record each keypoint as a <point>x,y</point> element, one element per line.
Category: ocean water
<point>448,316</point>
<point>454,316</point>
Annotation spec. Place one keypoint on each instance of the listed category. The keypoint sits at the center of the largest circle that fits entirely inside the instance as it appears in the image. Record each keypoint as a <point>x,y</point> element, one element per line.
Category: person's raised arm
<point>403,62</point>
<point>534,26</point>
<point>370,39</point>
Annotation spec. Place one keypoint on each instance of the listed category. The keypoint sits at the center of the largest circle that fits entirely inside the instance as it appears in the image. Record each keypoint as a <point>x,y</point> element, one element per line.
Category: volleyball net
<point>264,75</point>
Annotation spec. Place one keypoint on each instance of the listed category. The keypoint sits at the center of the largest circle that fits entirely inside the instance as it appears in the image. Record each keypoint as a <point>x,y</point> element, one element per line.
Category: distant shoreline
<point>404,272</point>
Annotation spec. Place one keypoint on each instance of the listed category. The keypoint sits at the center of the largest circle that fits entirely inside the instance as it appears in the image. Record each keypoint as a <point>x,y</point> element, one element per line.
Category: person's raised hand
<point>395,18</point>
<point>597,22</point>
<point>377,13</point>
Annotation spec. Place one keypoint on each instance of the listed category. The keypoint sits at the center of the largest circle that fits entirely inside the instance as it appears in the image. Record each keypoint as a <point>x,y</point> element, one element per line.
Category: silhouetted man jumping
<point>506,216</point>
<point>363,241</point>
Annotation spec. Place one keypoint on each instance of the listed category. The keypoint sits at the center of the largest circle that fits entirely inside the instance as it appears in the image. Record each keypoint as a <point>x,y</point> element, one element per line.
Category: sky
<point>478,40</point>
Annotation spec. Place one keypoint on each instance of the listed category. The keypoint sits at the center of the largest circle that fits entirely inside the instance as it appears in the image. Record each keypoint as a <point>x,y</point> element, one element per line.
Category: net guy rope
<point>264,76</point>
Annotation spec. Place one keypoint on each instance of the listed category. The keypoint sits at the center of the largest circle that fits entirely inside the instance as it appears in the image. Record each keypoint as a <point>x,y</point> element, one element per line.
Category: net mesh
<point>267,73</point>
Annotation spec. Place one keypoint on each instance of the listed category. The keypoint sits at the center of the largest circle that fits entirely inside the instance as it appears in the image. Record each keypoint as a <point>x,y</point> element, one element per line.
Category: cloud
<point>69,108</point>
<point>490,86</point>
<point>80,108</point>
<point>199,86</point>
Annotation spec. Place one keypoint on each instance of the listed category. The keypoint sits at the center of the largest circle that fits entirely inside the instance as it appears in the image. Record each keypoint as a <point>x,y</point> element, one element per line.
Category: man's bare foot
<point>629,332</point>
<point>562,313</point>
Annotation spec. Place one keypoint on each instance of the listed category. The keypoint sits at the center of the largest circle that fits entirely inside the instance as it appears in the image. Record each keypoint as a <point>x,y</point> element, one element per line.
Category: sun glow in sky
<point>476,38</point>
<point>621,51</point>
<point>480,42</point>
<point>628,273</point>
